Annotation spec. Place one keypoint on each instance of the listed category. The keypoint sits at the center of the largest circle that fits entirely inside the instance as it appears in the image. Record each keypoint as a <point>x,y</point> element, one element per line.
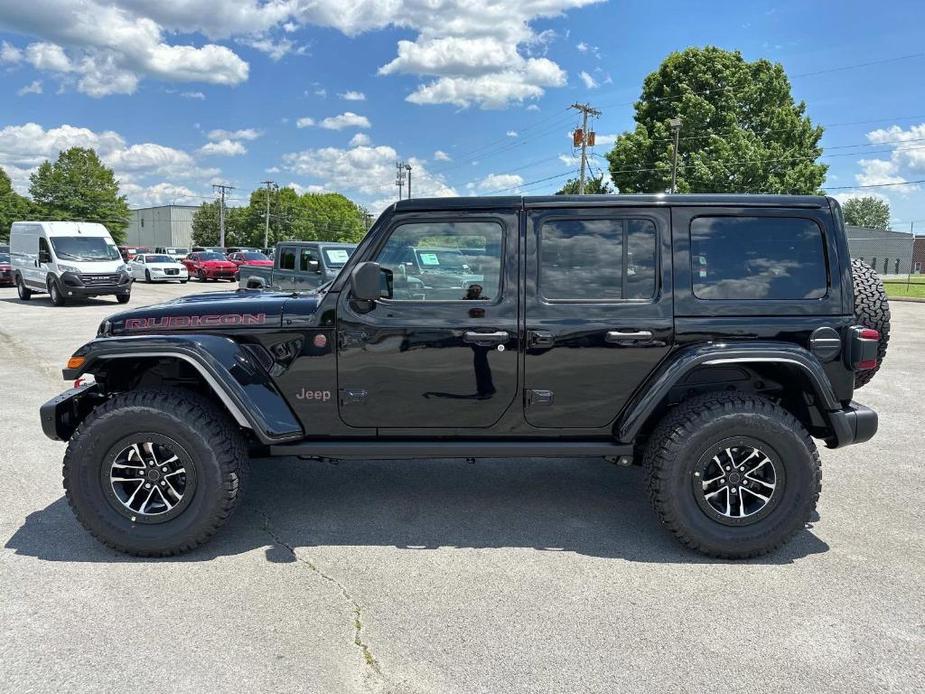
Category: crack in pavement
<point>358,641</point>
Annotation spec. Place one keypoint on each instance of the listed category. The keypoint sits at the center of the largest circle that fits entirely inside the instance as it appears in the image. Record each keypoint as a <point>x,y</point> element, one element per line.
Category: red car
<point>209,265</point>
<point>250,258</point>
<point>6,270</point>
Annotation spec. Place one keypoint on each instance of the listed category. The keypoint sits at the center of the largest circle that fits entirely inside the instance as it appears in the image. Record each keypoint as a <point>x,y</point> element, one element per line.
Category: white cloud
<point>193,95</point>
<point>310,189</point>
<point>359,139</point>
<point>366,173</point>
<point>605,140</point>
<point>440,155</point>
<point>110,47</point>
<point>243,134</point>
<point>9,54</point>
<point>305,122</point>
<point>34,88</point>
<point>511,133</point>
<point>570,159</point>
<point>345,120</point>
<point>533,107</point>
<point>48,56</point>
<point>582,47</point>
<point>910,145</point>
<point>588,80</point>
<point>24,147</point>
<point>467,46</point>
<point>159,194</point>
<point>322,92</point>
<point>877,172</point>
<point>222,148</point>
<point>497,183</point>
<point>352,95</point>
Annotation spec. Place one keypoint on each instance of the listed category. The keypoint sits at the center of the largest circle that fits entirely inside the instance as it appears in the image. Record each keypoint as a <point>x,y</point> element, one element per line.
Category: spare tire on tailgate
<point>872,310</point>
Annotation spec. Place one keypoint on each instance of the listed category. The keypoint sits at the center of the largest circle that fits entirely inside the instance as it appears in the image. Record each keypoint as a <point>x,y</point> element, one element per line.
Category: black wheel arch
<point>787,373</point>
<point>218,367</point>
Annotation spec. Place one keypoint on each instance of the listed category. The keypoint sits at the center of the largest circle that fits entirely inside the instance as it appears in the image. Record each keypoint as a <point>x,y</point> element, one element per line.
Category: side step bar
<point>455,448</point>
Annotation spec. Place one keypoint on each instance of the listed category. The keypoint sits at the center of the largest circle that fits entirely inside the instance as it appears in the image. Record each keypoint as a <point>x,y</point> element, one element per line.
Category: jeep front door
<point>440,349</point>
<point>598,310</point>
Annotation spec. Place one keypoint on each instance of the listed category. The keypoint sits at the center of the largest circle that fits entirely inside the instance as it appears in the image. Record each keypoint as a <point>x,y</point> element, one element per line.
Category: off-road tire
<point>872,310</point>
<point>688,431</point>
<point>208,437</point>
<point>55,294</point>
<point>22,290</point>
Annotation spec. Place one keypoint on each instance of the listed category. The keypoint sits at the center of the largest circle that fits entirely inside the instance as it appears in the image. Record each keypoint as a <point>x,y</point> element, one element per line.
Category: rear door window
<point>597,259</point>
<point>287,259</point>
<point>771,258</point>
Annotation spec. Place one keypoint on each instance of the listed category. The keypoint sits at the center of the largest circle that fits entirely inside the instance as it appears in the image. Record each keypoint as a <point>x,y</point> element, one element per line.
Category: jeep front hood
<point>209,312</point>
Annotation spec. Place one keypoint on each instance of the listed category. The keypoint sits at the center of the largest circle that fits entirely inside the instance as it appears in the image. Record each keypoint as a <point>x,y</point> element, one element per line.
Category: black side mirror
<point>365,281</point>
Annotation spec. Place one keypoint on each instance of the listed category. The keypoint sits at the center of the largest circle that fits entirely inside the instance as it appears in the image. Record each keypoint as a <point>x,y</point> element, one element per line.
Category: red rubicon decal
<point>190,322</point>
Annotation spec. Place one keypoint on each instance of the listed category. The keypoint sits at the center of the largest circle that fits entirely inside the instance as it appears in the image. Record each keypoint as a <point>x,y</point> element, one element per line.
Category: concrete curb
<point>909,299</point>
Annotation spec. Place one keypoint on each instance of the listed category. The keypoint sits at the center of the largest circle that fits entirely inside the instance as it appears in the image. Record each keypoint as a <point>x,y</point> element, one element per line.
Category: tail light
<point>865,343</point>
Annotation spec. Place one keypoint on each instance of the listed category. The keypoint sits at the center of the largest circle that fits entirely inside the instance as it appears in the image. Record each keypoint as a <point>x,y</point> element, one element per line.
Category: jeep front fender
<point>229,369</point>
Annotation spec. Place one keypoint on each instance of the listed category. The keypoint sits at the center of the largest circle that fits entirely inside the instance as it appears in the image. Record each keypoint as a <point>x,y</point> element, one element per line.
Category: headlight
<point>68,268</point>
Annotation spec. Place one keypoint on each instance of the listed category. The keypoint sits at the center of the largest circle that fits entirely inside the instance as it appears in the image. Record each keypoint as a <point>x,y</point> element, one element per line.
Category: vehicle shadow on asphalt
<point>584,506</point>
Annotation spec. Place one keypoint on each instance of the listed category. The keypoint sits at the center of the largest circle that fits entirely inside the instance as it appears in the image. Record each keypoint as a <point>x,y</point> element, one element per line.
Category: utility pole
<point>912,257</point>
<point>675,124</point>
<point>399,176</point>
<point>221,212</point>
<point>266,229</point>
<point>584,138</point>
<point>408,168</point>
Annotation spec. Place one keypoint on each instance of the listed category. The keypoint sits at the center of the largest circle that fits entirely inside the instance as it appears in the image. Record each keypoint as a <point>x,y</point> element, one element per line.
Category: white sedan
<point>157,268</point>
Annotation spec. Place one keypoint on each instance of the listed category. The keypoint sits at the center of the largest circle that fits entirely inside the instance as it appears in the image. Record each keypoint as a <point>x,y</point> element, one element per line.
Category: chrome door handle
<point>495,338</point>
<point>630,336</point>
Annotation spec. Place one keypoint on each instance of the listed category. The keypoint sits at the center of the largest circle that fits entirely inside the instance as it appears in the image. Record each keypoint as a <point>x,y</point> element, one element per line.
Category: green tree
<point>333,217</point>
<point>741,131</point>
<point>593,186</point>
<point>207,228</point>
<point>79,187</point>
<point>867,211</point>
<point>13,206</point>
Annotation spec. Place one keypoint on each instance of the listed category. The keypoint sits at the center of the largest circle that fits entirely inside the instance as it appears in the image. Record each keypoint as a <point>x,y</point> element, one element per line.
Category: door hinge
<point>536,398</point>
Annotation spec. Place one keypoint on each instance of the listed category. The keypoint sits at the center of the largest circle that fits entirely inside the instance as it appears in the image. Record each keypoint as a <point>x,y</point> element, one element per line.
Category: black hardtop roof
<point>692,199</point>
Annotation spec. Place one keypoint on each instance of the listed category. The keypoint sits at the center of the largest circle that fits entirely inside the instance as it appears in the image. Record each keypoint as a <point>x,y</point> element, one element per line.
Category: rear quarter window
<point>769,258</point>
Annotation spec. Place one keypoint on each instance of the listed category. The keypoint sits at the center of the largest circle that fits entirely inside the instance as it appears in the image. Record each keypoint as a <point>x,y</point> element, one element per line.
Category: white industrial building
<point>168,226</point>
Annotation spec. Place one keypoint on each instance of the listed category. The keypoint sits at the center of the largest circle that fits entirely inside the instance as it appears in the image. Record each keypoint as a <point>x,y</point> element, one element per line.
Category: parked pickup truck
<point>709,339</point>
<point>298,265</point>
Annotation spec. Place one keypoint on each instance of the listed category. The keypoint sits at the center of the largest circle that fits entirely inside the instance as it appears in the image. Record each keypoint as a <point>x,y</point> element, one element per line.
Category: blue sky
<point>178,94</point>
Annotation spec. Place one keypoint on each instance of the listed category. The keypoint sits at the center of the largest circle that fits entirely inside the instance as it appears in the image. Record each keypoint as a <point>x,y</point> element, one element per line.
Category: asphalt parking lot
<point>439,576</point>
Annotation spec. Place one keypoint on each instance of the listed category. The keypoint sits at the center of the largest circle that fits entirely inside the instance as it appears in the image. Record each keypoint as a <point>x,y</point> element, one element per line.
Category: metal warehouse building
<point>888,252</point>
<point>169,225</point>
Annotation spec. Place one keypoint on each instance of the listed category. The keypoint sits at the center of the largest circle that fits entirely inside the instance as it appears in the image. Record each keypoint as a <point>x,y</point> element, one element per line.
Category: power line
<point>583,137</point>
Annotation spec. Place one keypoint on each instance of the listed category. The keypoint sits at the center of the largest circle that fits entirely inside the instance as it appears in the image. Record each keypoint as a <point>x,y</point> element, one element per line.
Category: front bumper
<point>95,285</point>
<point>6,277</point>
<point>219,274</point>
<point>62,414</point>
<point>162,276</point>
<point>854,424</point>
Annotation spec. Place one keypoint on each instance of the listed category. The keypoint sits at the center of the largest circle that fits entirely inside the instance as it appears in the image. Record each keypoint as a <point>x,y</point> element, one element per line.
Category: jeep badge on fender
<point>711,339</point>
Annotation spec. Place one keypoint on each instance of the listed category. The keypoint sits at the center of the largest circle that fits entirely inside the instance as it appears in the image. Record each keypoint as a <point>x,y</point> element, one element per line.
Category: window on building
<point>597,259</point>
<point>757,258</point>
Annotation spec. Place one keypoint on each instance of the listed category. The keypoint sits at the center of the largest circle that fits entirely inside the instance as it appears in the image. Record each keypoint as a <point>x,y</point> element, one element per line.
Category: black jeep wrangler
<point>707,338</point>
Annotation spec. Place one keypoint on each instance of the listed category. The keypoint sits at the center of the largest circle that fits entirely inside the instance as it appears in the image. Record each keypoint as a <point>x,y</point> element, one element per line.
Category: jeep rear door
<point>598,309</point>
<point>440,349</point>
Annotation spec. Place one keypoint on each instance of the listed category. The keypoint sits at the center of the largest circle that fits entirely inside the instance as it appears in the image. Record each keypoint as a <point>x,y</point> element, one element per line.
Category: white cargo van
<point>67,260</point>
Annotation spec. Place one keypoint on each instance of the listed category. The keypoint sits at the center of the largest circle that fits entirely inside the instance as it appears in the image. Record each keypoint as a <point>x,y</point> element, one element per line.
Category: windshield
<point>252,256</point>
<point>90,248</point>
<point>440,259</point>
<point>211,256</point>
<point>158,259</point>
<point>4,257</point>
<point>337,257</point>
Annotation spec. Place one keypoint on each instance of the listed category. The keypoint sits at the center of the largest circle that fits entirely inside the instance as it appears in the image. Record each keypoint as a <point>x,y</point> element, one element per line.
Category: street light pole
<point>675,124</point>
